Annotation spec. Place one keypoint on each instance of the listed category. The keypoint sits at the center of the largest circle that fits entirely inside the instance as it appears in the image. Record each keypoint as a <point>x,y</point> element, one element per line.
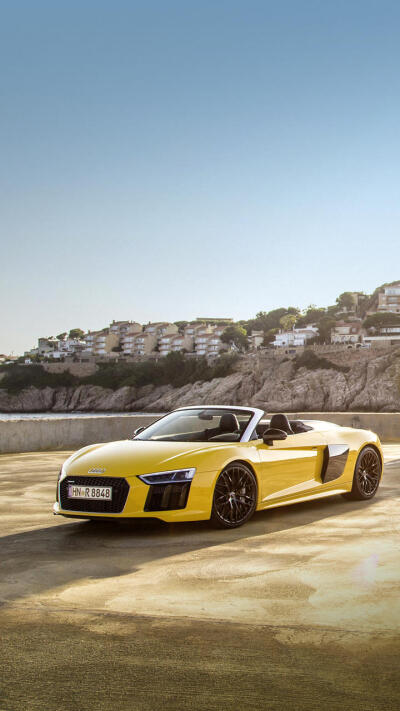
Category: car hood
<point>133,457</point>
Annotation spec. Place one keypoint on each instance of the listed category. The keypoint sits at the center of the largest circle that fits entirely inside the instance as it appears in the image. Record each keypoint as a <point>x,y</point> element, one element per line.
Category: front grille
<point>167,497</point>
<point>120,489</point>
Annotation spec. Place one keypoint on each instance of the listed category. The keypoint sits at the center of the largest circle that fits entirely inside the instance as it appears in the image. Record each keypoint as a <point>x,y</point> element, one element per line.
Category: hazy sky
<point>174,159</point>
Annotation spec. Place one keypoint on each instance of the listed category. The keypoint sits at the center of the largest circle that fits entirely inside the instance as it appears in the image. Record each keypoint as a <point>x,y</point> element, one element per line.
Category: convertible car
<point>222,463</point>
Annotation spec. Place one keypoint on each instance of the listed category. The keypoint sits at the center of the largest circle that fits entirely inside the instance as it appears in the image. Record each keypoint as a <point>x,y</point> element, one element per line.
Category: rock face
<point>271,382</point>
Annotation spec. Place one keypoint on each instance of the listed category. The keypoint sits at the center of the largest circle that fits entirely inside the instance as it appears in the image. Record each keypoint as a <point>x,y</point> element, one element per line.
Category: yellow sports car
<point>218,462</point>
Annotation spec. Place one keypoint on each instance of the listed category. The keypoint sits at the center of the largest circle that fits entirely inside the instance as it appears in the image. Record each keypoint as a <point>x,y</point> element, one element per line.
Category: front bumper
<point>192,500</point>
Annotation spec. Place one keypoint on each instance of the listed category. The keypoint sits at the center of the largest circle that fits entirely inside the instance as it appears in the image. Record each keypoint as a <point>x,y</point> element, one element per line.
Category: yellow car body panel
<point>287,471</point>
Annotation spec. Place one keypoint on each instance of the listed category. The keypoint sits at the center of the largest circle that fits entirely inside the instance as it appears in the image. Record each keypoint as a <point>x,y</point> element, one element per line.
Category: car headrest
<point>228,422</point>
<point>281,422</point>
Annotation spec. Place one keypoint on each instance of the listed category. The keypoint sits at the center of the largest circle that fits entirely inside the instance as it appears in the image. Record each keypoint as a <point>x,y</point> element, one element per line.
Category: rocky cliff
<point>345,381</point>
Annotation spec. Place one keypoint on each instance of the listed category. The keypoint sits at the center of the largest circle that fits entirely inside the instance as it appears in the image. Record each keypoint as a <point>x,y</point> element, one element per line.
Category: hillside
<point>336,380</point>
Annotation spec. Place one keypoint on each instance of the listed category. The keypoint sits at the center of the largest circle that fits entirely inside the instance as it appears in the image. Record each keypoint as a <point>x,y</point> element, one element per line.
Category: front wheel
<point>367,475</point>
<point>235,496</point>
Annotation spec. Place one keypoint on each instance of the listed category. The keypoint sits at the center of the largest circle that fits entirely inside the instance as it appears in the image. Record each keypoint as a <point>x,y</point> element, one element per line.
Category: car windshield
<point>199,425</point>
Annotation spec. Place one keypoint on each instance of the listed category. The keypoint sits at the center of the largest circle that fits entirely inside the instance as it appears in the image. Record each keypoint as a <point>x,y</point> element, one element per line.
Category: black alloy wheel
<point>235,496</point>
<point>367,475</point>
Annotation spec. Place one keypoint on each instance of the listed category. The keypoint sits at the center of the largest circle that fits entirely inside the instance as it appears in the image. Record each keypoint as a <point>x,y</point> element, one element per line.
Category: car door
<point>292,467</point>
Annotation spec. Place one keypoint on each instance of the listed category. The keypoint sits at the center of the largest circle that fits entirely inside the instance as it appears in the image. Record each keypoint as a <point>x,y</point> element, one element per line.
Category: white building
<point>160,328</point>
<point>389,299</point>
<point>385,336</point>
<point>127,338</point>
<point>121,327</point>
<point>143,344</point>
<point>47,346</point>
<point>202,337</point>
<point>175,342</point>
<point>208,340</point>
<point>295,337</point>
<point>347,332</point>
<point>100,343</point>
<point>68,347</point>
<point>256,339</point>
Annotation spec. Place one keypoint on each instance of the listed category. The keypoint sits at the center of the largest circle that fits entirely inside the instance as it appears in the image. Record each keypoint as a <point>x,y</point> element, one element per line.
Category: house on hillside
<point>389,299</point>
<point>256,339</point>
<point>388,335</point>
<point>295,337</point>
<point>100,343</point>
<point>347,332</point>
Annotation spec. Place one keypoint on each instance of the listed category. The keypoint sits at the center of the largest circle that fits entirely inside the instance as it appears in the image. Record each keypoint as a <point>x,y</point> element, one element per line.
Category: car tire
<point>367,475</point>
<point>235,496</point>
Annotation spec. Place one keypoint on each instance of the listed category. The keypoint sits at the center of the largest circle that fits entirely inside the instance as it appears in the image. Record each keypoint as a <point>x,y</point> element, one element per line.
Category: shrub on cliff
<point>310,360</point>
<point>173,369</point>
<point>18,377</point>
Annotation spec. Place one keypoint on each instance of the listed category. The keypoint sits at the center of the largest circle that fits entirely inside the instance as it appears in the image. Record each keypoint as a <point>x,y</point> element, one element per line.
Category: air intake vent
<point>167,497</point>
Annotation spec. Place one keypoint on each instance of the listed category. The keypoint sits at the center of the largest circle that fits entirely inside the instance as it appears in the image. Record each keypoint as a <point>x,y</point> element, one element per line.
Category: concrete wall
<point>74,432</point>
<point>66,432</point>
<point>79,369</point>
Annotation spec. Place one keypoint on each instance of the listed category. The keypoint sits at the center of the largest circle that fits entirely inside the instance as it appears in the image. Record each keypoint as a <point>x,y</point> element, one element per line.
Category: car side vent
<point>167,497</point>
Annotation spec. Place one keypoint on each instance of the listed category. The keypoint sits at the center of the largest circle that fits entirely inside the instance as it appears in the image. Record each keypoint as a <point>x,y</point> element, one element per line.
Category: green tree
<point>312,314</point>
<point>288,321</point>
<point>346,300</point>
<point>269,336</point>
<point>61,336</point>
<point>76,333</point>
<point>380,320</point>
<point>235,336</point>
<point>265,320</point>
<point>325,326</point>
<point>333,309</point>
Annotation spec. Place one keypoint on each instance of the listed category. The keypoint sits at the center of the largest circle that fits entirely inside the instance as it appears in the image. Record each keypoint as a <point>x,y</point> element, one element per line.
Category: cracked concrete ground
<point>298,609</point>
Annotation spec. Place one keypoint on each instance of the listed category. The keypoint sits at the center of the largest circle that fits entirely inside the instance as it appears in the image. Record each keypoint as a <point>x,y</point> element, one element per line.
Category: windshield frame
<point>253,422</point>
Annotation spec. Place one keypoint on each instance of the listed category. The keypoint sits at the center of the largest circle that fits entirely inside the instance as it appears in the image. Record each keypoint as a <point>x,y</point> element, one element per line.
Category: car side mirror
<point>137,431</point>
<point>272,434</point>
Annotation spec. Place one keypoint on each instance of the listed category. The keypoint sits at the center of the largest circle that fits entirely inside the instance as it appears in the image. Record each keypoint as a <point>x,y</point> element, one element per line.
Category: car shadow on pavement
<point>51,558</point>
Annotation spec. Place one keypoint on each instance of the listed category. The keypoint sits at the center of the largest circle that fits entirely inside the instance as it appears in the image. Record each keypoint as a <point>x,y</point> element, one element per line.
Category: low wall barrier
<point>68,433</point>
<point>43,434</point>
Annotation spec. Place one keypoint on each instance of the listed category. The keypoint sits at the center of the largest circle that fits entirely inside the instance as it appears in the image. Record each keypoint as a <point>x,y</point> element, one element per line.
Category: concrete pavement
<point>298,608</point>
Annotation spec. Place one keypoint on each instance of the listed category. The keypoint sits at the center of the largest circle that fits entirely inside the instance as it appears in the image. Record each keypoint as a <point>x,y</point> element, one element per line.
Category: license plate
<point>89,492</point>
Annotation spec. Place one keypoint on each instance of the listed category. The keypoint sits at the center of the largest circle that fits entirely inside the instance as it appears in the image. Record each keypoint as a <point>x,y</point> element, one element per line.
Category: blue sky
<point>173,159</point>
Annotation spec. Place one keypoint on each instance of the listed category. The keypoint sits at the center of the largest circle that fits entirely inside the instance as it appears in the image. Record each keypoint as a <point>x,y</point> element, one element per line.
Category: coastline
<point>346,382</point>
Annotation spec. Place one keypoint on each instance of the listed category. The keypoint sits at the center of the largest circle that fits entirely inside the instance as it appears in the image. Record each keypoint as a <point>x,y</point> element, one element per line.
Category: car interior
<point>218,427</point>
<point>231,430</point>
<point>225,427</point>
<point>280,422</point>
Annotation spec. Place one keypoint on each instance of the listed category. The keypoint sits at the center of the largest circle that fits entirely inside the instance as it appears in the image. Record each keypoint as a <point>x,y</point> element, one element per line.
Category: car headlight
<point>62,473</point>
<point>176,476</point>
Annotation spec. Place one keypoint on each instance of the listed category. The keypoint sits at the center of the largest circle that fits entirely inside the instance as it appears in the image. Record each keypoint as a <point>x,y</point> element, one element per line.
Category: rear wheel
<point>235,496</point>
<point>367,475</point>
